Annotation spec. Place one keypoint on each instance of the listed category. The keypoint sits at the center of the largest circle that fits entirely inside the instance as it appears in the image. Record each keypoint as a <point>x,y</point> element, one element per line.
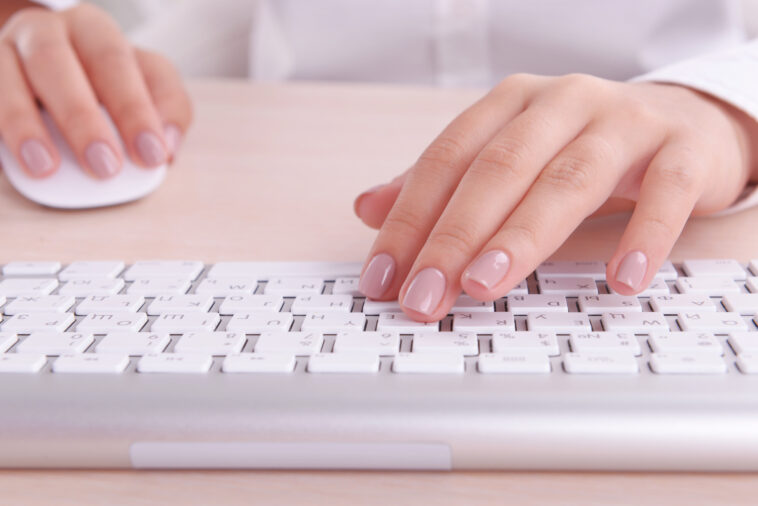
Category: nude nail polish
<point>36,157</point>
<point>425,291</point>
<point>102,160</point>
<point>378,275</point>
<point>489,269</point>
<point>150,149</point>
<point>632,269</point>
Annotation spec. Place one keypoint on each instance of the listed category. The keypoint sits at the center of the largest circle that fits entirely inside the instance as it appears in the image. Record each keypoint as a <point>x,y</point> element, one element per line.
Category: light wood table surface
<point>270,173</point>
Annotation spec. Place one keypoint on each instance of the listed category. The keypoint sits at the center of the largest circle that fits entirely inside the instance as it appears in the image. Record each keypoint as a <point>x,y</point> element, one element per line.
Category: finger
<point>169,96</point>
<point>373,205</point>
<point>58,80</point>
<point>430,184</point>
<point>488,192</point>
<point>573,185</point>
<point>670,189</point>
<point>21,126</point>
<point>111,65</point>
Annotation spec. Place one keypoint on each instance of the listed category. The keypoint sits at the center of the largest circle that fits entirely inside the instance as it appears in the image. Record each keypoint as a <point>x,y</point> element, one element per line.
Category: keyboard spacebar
<point>264,270</point>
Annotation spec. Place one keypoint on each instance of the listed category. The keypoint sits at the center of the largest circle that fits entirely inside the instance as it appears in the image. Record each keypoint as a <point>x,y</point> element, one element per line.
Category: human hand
<point>70,61</point>
<point>506,183</point>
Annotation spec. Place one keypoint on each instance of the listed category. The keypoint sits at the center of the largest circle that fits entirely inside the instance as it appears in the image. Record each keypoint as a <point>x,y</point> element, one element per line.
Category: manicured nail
<point>359,199</point>
<point>489,269</point>
<point>377,276</point>
<point>425,291</point>
<point>102,160</point>
<point>632,269</point>
<point>150,149</point>
<point>173,136</point>
<point>36,157</point>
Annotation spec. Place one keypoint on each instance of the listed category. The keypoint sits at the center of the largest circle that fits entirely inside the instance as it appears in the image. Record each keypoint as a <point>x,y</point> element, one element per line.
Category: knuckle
<point>514,82</point>
<point>679,177</point>
<point>577,171</point>
<point>501,160</point>
<point>441,155</point>
<point>455,237</point>
<point>116,52</point>
<point>583,85</point>
<point>523,233</point>
<point>12,116</point>
<point>656,226</point>
<point>403,222</point>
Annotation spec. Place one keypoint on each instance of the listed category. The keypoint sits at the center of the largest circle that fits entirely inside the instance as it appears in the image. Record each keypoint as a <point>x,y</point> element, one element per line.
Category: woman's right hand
<point>71,61</point>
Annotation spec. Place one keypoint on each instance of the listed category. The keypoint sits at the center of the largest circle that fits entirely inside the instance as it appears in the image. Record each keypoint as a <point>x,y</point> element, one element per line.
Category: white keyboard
<point>183,317</point>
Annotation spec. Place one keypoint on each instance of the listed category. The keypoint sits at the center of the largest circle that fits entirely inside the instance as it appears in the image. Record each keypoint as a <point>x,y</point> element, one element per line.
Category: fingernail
<point>150,149</point>
<point>377,276</point>
<point>173,136</point>
<point>632,269</point>
<point>489,269</point>
<point>36,157</point>
<point>359,199</point>
<point>102,160</point>
<point>425,291</point>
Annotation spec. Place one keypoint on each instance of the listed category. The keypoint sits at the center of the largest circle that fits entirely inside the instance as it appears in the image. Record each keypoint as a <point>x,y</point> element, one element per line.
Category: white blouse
<point>698,43</point>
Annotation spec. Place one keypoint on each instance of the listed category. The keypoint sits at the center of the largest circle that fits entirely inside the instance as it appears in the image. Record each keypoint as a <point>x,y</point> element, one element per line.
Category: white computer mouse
<point>71,187</point>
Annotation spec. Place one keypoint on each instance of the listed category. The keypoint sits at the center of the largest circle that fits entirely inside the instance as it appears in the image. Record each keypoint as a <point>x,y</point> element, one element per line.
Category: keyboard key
<point>483,322</point>
<point>513,363</point>
<point>643,323</point>
<point>211,343</point>
<point>752,284</point>
<point>334,322</point>
<point>321,304</point>
<point>742,303</point>
<point>657,286</point>
<point>466,304</point>
<point>678,302</point>
<point>600,363</point>
<point>250,304</point>
<point>183,303</point>
<point>401,322</point>
<point>381,306</point>
<point>226,287</point>
<point>605,342</point>
<point>55,343</point>
<point>26,323</point>
<point>667,271</point>
<point>686,342</point>
<point>465,343</point>
<point>259,321</point>
<point>101,323</point>
<point>521,289</point>
<point>259,362</point>
<point>716,267</point>
<point>687,363</point>
<point>347,362</point>
<point>22,362</point>
<point>177,269</point>
<point>744,342</point>
<point>558,322</point>
<point>294,286</point>
<point>39,303</point>
<point>110,304</point>
<point>568,286</point>
<point>709,286</point>
<point>346,286</point>
<point>429,363</point>
<point>536,303</point>
<point>181,323</point>
<point>91,270</point>
<point>718,322</point>
<point>31,268</point>
<point>754,267</point>
<point>267,270</point>
<point>153,287</point>
<point>607,303</point>
<point>175,363</point>
<point>91,363</point>
<point>20,287</point>
<point>380,343</point>
<point>132,343</point>
<point>92,286</point>
<point>747,363</point>
<point>7,339</point>
<point>590,269</point>
<point>298,343</point>
<point>525,342</point>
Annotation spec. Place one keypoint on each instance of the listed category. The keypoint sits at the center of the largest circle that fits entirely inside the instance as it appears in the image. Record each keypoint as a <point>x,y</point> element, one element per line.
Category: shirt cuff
<point>731,76</point>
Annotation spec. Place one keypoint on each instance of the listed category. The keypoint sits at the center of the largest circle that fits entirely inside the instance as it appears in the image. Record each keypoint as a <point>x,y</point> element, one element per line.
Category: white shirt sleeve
<point>729,75</point>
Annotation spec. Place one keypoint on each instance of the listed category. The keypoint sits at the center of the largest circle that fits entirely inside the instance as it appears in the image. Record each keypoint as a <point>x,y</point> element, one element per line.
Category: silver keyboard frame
<point>382,421</point>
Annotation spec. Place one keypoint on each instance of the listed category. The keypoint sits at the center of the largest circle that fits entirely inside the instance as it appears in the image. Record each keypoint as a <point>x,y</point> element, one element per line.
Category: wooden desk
<point>270,172</point>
